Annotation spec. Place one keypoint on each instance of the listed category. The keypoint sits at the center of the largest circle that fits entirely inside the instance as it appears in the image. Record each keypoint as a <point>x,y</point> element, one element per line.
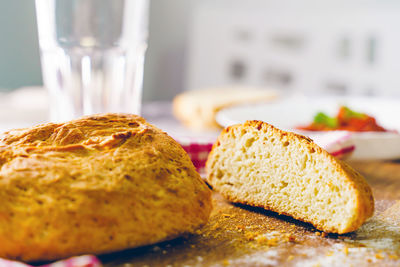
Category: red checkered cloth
<point>80,261</point>
<point>198,150</point>
<point>338,143</point>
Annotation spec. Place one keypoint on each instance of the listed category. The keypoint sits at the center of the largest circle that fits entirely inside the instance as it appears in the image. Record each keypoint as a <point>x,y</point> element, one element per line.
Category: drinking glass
<point>92,55</point>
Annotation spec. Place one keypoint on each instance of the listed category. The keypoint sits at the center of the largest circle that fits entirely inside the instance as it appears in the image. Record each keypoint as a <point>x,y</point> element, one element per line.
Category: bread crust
<point>95,185</point>
<point>364,201</point>
<point>197,109</point>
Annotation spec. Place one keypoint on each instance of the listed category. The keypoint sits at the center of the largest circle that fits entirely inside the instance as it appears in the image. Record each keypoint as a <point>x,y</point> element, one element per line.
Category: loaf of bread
<point>197,109</point>
<point>97,184</point>
<point>257,164</point>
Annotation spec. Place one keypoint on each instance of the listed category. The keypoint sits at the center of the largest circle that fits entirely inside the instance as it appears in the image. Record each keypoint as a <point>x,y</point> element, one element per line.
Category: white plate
<point>288,113</point>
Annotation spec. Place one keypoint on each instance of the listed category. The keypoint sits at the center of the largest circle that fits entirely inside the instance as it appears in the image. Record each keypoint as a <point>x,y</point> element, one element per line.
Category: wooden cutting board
<point>239,235</point>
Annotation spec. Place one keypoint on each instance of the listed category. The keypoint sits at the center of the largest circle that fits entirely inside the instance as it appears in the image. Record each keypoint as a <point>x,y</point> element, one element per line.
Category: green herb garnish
<point>322,118</point>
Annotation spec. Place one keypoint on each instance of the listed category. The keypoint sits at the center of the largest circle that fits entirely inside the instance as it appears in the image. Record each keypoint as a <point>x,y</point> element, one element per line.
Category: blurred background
<point>165,57</point>
<point>316,47</point>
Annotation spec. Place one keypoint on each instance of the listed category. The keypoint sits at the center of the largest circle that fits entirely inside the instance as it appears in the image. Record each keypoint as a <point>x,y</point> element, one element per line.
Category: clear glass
<point>92,55</point>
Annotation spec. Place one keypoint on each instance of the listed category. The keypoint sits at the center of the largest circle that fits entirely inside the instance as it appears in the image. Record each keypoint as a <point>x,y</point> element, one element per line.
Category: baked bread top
<point>97,184</point>
<point>257,164</point>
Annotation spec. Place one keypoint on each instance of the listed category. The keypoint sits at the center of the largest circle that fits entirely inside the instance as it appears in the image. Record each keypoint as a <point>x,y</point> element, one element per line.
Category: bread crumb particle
<point>156,248</point>
<point>379,256</point>
<point>215,226</point>
<point>291,257</point>
<point>261,239</point>
<point>346,250</point>
<point>272,242</point>
<point>291,238</point>
<point>251,235</point>
<point>240,228</point>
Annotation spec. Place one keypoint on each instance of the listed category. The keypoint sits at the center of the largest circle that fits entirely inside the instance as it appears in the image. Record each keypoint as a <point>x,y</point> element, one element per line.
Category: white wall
<point>19,53</point>
<point>309,46</point>
<point>166,55</point>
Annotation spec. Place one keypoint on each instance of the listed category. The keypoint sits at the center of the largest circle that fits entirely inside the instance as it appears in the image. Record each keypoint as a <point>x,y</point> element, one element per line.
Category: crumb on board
<point>215,226</point>
<point>226,262</point>
<point>346,250</point>
<point>251,235</point>
<point>322,234</point>
<point>272,242</point>
<point>247,234</point>
<point>291,238</point>
<point>329,253</point>
<point>240,228</point>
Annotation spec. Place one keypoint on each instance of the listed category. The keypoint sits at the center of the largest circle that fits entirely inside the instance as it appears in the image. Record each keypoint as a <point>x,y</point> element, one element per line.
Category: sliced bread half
<point>257,164</point>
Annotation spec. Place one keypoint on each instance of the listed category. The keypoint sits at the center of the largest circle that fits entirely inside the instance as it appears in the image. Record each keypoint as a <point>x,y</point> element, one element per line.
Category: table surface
<point>239,235</point>
<point>245,236</point>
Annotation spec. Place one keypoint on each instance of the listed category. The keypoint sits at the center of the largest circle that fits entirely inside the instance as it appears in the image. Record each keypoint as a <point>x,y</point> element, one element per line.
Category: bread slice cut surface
<point>257,164</point>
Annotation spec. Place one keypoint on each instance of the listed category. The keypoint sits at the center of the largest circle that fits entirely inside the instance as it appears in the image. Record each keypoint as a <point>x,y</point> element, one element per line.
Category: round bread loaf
<point>97,184</point>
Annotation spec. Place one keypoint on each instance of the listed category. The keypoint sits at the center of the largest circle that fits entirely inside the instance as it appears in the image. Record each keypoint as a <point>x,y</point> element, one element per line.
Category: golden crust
<point>197,109</point>
<point>97,184</point>
<point>364,201</point>
<point>194,114</point>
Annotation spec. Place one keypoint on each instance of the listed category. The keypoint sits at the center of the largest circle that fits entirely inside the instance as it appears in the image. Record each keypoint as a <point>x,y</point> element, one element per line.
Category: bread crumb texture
<point>257,164</point>
<point>97,184</point>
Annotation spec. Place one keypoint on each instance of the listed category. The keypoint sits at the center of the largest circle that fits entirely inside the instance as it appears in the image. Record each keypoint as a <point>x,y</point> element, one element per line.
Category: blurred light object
<point>308,46</point>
